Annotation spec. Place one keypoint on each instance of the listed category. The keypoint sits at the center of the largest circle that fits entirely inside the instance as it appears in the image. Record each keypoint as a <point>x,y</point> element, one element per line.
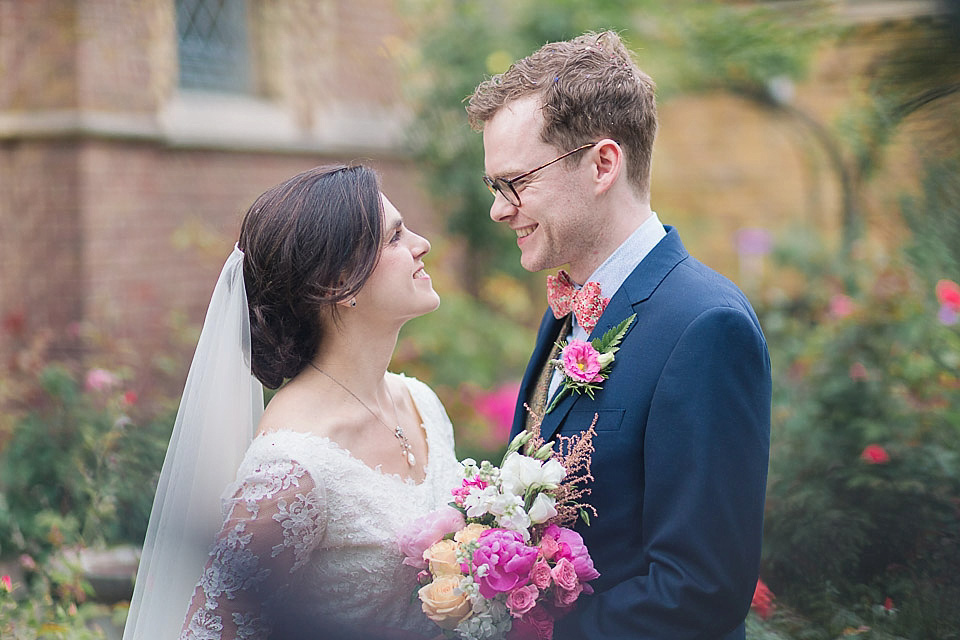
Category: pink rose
<point>565,575</point>
<point>522,599</point>
<point>507,559</point>
<point>580,361</point>
<point>565,598</point>
<point>549,547</point>
<point>540,574</point>
<point>425,531</point>
<point>842,306</point>
<point>572,548</point>
<point>536,624</point>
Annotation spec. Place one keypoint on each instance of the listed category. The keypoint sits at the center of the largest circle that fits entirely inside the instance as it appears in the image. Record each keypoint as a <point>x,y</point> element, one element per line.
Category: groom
<point>683,423</point>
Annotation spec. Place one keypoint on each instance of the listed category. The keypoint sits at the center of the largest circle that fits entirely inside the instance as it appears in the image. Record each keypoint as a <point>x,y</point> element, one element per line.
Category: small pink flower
<point>7,583</point>
<point>841,306</point>
<point>522,599</point>
<point>536,624</point>
<point>580,361</point>
<point>565,575</point>
<point>948,294</point>
<point>875,454</point>
<point>549,547</point>
<point>858,371</point>
<point>564,598</point>
<point>540,574</point>
<point>460,493</point>
<point>100,380</point>
<point>130,398</point>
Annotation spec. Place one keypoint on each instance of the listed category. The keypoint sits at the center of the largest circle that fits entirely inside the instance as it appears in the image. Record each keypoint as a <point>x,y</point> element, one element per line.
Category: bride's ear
<point>351,303</point>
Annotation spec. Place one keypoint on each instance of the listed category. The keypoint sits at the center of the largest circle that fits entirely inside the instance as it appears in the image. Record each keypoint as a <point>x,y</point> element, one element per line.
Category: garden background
<point>808,150</point>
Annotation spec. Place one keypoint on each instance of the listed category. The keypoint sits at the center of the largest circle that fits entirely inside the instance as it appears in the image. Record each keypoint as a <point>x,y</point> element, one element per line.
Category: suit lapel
<point>636,289</point>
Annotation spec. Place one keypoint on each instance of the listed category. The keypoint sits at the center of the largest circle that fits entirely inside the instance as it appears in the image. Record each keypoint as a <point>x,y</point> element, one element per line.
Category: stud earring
<point>353,302</point>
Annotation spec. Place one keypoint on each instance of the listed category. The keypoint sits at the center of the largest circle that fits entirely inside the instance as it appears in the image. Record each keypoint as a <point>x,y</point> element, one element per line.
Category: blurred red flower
<point>497,406</point>
<point>948,294</point>
<point>763,600</point>
<point>130,398</point>
<point>874,454</point>
<point>888,604</point>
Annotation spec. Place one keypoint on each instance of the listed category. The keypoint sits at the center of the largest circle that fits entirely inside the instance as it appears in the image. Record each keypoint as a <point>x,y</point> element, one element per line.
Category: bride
<point>324,275</point>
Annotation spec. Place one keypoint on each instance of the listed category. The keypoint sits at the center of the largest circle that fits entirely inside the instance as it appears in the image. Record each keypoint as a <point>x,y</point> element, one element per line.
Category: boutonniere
<point>585,365</point>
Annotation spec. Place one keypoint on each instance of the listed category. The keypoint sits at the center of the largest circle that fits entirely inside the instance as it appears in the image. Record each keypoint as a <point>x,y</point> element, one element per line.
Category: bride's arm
<point>275,519</point>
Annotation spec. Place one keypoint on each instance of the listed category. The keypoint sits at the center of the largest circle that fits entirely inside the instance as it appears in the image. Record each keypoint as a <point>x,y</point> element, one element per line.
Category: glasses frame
<point>504,186</point>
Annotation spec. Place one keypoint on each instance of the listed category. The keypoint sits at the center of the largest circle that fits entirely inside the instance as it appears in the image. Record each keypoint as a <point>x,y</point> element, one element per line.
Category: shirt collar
<point>621,263</point>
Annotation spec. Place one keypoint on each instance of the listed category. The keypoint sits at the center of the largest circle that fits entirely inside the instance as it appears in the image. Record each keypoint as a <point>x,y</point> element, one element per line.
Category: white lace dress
<point>309,542</point>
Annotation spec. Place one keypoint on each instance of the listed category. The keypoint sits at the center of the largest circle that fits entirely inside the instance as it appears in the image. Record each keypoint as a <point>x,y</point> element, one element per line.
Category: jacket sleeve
<point>705,454</point>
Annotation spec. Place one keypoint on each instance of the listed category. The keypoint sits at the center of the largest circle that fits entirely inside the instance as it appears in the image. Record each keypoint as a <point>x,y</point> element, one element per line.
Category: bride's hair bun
<point>308,243</point>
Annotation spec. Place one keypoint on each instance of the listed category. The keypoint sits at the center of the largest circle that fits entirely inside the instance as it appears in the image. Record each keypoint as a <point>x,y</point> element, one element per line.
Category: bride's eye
<point>396,235</point>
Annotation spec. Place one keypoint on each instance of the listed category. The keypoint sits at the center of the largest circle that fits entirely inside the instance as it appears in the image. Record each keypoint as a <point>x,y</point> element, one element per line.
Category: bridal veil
<point>221,405</point>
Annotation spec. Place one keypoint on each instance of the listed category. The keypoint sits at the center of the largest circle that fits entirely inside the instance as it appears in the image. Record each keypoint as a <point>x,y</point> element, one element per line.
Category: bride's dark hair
<point>307,244</point>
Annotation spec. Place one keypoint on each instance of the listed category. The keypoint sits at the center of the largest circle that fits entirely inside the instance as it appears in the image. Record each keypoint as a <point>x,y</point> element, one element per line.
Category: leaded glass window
<point>213,45</point>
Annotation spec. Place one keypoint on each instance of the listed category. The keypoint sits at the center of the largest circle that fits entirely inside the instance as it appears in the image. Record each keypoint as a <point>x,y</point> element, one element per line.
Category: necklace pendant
<point>410,459</point>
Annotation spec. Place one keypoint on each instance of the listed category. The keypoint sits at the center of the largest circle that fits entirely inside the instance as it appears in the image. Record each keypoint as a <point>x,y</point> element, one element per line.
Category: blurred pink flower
<point>130,398</point>
<point>100,380</point>
<point>842,306</point>
<point>7,583</point>
<point>948,294</point>
<point>874,454</point>
<point>858,371</point>
<point>948,316</point>
<point>763,600</point>
<point>497,406</point>
<point>754,242</point>
<point>423,532</point>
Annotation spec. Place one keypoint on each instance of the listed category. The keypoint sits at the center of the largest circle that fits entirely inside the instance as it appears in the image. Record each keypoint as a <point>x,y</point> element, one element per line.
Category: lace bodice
<point>309,541</point>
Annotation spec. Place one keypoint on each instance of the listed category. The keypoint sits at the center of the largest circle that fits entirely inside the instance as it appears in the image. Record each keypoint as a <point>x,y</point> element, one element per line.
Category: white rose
<point>543,508</point>
<point>520,472</point>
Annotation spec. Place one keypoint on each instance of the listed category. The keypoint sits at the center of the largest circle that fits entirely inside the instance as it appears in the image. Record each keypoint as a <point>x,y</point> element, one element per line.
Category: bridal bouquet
<point>501,561</point>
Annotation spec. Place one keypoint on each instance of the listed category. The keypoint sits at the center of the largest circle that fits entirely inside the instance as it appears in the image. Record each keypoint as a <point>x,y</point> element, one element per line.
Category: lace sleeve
<point>274,521</point>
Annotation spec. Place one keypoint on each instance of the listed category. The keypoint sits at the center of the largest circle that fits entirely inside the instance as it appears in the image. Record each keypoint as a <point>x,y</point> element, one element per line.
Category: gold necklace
<point>405,448</point>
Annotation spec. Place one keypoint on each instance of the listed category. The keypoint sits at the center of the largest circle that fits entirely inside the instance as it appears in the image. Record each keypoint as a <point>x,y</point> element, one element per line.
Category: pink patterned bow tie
<point>587,303</point>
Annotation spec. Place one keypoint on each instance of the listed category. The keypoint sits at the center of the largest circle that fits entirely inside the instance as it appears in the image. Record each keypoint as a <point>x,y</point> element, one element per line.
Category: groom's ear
<point>606,164</point>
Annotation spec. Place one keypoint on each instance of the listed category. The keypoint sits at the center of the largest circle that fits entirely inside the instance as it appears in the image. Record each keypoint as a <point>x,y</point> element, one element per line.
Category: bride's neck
<point>356,361</point>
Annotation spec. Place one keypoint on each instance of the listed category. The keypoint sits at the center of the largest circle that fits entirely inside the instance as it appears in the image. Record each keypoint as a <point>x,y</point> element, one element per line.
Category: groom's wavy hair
<point>590,89</point>
<point>308,243</point>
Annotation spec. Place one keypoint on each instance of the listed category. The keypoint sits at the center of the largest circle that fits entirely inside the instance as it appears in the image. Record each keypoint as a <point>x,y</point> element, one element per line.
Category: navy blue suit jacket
<point>681,455</point>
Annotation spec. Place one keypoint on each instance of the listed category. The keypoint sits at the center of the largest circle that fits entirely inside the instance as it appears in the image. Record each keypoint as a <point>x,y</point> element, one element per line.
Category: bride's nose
<point>420,246</point>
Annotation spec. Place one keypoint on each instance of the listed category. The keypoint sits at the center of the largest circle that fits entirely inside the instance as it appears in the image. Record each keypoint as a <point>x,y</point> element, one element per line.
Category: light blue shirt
<point>615,270</point>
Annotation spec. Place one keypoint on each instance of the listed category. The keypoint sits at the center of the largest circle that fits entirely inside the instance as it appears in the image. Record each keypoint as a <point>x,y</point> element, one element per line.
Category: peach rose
<point>442,557</point>
<point>470,533</point>
<point>443,602</point>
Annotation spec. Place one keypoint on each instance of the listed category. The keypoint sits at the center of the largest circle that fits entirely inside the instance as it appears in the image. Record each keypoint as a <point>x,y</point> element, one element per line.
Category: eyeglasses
<point>506,188</point>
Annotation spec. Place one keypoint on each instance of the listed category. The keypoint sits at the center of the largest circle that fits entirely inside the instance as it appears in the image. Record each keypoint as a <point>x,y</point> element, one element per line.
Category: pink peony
<point>875,454</point>
<point>100,380</point>
<point>425,531</point>
<point>536,624</point>
<point>572,548</point>
<point>540,574</point>
<point>522,599</point>
<point>948,294</point>
<point>507,559</point>
<point>580,361</point>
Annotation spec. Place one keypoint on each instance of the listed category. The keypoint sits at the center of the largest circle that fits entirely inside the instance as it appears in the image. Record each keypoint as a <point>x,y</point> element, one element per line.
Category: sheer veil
<point>221,405</point>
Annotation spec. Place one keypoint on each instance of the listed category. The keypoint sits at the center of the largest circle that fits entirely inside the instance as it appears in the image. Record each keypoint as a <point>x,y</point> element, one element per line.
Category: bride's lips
<point>421,274</point>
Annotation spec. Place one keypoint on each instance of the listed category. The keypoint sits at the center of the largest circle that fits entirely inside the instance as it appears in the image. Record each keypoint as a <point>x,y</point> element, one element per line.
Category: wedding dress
<point>309,541</point>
